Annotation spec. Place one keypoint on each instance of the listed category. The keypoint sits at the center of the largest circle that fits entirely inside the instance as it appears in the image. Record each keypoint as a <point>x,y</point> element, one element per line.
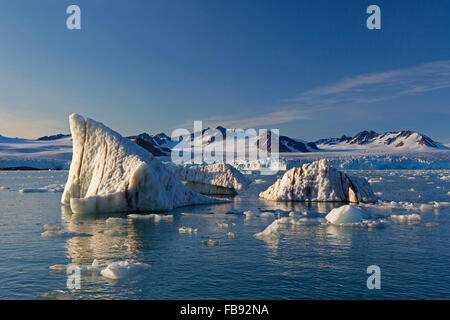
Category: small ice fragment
<point>230,234</point>
<point>115,221</point>
<point>63,234</point>
<point>267,215</point>
<point>211,243</point>
<point>270,233</point>
<point>58,268</point>
<point>47,227</point>
<point>412,219</point>
<point>123,269</point>
<point>222,225</point>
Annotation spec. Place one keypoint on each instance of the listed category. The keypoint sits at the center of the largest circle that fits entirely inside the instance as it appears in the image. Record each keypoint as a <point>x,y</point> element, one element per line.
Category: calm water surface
<point>308,262</point>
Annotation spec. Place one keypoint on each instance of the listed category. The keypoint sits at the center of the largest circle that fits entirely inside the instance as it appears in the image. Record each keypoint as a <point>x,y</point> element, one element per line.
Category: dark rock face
<point>150,147</point>
<point>285,144</point>
<point>363,137</point>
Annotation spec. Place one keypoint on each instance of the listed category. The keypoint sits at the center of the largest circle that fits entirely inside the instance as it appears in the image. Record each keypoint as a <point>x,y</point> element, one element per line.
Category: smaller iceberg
<point>347,214</point>
<point>318,181</point>
<point>220,179</point>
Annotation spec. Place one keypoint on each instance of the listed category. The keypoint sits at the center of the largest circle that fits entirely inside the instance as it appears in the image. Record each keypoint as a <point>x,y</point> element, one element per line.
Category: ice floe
<point>318,181</point>
<point>63,234</point>
<point>123,269</point>
<point>412,219</point>
<point>50,188</point>
<point>152,216</point>
<point>110,173</point>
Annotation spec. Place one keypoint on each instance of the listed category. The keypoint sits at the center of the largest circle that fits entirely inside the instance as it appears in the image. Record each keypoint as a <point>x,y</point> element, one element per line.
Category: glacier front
<point>109,173</point>
<point>318,181</point>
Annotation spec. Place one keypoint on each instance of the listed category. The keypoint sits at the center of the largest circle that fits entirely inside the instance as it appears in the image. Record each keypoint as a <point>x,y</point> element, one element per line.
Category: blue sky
<point>310,68</point>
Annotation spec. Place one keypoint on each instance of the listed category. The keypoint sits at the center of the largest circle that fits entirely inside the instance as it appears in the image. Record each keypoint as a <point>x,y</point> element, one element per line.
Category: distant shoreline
<point>25,168</point>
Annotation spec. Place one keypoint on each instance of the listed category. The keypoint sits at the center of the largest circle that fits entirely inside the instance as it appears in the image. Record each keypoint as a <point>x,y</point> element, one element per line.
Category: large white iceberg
<point>110,173</point>
<point>220,178</point>
<point>318,181</point>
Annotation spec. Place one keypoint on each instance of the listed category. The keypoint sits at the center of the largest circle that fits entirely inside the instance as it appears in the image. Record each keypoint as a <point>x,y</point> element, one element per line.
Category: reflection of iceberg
<point>109,173</point>
<point>319,182</point>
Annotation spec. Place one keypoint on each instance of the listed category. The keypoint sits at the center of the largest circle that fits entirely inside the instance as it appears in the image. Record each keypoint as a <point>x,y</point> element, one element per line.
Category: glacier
<point>318,181</point>
<point>109,173</point>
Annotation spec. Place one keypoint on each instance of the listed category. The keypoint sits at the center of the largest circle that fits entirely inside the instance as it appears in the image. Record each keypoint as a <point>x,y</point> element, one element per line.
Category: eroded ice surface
<point>318,181</point>
<point>109,173</point>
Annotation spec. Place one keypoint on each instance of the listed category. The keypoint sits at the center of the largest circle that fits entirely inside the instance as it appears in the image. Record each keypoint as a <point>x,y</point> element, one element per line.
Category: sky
<point>309,68</point>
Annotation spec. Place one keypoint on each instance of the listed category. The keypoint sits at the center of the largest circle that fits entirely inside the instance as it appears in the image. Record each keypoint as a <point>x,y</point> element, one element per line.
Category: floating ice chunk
<point>318,181</point>
<point>109,173</point>
<point>230,234</point>
<point>445,178</point>
<point>211,243</point>
<point>411,189</point>
<point>50,188</point>
<point>267,215</point>
<point>426,207</point>
<point>115,233</point>
<point>63,234</point>
<point>346,215</point>
<point>248,214</point>
<point>154,217</point>
<point>123,269</point>
<point>270,233</point>
<point>259,181</point>
<point>379,193</point>
<point>223,225</point>
<point>4,188</point>
<point>188,230</point>
<point>58,268</point>
<point>376,180</point>
<point>412,219</point>
<point>47,227</point>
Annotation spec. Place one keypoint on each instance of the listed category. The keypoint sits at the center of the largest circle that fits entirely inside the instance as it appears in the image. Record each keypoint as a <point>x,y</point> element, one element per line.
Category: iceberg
<point>220,178</point>
<point>123,269</point>
<point>318,181</point>
<point>110,173</point>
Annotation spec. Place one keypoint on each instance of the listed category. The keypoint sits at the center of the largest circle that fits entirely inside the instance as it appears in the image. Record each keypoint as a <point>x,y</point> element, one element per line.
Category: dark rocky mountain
<point>53,137</point>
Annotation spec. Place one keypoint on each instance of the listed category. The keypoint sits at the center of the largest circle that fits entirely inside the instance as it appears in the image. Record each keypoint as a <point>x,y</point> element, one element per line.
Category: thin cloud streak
<point>359,90</point>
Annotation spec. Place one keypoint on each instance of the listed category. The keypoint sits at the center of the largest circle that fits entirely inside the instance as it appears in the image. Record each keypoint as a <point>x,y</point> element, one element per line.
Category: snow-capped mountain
<point>285,144</point>
<point>398,140</point>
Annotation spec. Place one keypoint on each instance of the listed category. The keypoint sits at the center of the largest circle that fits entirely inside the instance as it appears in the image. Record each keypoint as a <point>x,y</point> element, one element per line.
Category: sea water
<point>222,259</point>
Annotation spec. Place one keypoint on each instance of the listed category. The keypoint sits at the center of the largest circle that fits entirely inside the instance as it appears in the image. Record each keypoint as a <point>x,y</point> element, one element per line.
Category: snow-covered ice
<point>123,269</point>
<point>110,173</point>
<point>211,179</point>
<point>318,181</point>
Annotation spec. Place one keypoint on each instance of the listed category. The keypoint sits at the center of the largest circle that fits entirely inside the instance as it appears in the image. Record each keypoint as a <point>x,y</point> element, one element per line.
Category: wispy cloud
<point>360,90</point>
